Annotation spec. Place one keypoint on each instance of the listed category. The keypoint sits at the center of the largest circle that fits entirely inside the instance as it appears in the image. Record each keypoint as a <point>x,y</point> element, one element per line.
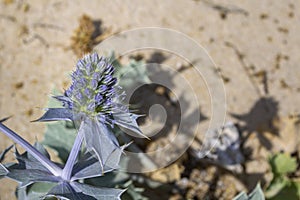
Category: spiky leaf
<point>3,171</point>
<point>60,137</point>
<point>2,155</point>
<point>29,176</point>
<point>78,191</point>
<point>100,140</point>
<point>256,194</point>
<point>56,114</point>
<point>134,73</point>
<point>127,122</point>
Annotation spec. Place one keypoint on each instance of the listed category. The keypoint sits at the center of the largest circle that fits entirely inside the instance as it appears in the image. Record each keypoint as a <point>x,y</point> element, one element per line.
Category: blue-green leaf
<point>36,191</point>
<point>65,191</point>
<point>256,194</point>
<point>78,191</point>
<point>2,155</point>
<point>127,123</point>
<point>100,140</point>
<point>29,176</point>
<point>99,193</point>
<point>60,138</point>
<point>88,167</point>
<point>56,114</point>
<point>43,160</point>
<point>3,171</point>
<point>29,170</point>
<point>134,73</point>
<point>129,75</point>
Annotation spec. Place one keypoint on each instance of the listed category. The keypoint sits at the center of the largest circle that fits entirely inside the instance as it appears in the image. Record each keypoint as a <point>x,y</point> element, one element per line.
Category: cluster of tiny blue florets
<point>93,86</point>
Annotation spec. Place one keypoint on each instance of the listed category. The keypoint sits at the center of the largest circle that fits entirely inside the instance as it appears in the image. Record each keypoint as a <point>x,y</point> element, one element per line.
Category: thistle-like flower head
<point>93,91</point>
<point>93,100</point>
<point>94,96</point>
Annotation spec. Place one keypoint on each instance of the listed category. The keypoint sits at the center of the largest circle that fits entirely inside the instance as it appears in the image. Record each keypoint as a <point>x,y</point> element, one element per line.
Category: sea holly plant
<point>93,104</point>
<point>35,166</point>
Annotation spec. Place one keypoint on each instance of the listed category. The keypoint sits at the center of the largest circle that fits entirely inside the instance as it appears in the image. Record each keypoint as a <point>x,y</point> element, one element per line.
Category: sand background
<point>35,53</point>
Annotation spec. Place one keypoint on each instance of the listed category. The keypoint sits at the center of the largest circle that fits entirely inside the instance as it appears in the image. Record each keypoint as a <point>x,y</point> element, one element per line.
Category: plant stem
<point>67,170</point>
<point>52,167</point>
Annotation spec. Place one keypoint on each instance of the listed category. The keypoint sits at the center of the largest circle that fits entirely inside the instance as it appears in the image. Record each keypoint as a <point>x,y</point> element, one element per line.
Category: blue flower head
<point>94,97</point>
<point>93,91</point>
<point>93,102</point>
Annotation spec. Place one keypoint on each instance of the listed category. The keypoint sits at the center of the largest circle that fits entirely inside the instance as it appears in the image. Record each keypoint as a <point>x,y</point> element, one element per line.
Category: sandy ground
<point>254,43</point>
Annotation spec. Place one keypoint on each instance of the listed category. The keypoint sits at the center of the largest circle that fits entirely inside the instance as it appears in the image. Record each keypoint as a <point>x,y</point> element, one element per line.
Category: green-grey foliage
<point>256,194</point>
<point>133,73</point>
<point>60,136</point>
